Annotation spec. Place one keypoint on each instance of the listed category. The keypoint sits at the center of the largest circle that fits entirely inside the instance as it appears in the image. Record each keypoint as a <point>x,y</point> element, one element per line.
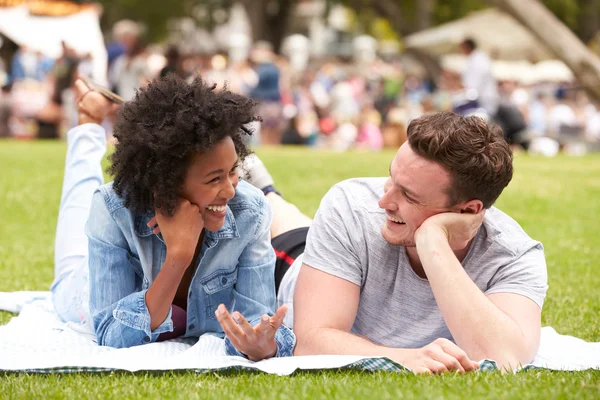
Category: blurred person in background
<point>267,93</point>
<point>394,128</point>
<point>26,64</point>
<point>369,132</point>
<point>5,111</point>
<point>130,70</point>
<point>562,116</point>
<point>241,77</point>
<point>124,34</point>
<point>174,63</point>
<point>478,76</point>
<point>537,115</point>
<point>60,79</point>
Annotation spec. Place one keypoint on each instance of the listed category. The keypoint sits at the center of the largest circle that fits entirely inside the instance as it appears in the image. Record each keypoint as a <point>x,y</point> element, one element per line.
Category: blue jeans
<point>83,175</point>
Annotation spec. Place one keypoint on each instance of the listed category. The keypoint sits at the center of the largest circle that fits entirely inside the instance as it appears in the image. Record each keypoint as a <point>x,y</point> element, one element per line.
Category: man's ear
<point>471,207</point>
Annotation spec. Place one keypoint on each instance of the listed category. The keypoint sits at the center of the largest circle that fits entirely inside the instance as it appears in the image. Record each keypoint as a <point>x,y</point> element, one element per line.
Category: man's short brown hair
<point>475,153</point>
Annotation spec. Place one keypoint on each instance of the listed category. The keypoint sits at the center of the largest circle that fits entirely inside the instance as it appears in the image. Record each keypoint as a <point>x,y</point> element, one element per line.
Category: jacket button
<point>191,327</point>
<point>224,280</point>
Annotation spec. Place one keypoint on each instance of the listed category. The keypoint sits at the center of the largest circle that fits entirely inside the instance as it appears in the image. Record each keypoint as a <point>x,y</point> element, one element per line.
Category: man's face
<point>416,190</point>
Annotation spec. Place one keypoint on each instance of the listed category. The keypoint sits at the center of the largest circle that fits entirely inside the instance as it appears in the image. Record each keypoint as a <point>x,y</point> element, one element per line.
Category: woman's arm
<point>118,308</point>
<point>254,296</point>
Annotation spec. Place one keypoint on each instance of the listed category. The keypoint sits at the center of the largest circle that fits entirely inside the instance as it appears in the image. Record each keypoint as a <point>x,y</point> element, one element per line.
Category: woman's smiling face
<point>211,180</point>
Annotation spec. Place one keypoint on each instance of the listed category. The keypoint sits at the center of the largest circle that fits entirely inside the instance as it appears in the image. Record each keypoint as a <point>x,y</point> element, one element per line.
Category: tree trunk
<point>424,14</point>
<point>266,26</point>
<point>279,22</point>
<point>391,10</point>
<point>589,19</point>
<point>534,16</point>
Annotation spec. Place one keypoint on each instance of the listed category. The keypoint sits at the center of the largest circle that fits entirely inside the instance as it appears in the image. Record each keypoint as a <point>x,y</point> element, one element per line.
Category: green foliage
<point>450,10</point>
<point>154,14</point>
<point>566,10</point>
<point>557,201</point>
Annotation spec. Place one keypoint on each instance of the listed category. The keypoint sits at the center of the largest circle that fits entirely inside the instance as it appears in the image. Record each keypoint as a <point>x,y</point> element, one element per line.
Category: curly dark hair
<point>159,131</point>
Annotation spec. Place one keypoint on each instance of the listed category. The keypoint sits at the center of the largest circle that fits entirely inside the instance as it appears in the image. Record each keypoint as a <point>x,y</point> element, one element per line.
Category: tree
<point>269,19</point>
<point>589,19</point>
<point>153,14</point>
<point>558,38</point>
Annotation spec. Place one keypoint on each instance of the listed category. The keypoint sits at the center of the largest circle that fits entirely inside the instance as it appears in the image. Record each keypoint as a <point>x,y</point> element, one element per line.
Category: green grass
<point>557,201</point>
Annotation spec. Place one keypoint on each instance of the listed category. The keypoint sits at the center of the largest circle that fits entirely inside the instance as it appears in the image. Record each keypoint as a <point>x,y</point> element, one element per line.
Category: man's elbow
<point>510,358</point>
<point>305,342</point>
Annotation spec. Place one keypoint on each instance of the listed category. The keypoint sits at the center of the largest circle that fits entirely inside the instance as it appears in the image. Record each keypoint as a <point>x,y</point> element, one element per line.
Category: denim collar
<point>227,231</point>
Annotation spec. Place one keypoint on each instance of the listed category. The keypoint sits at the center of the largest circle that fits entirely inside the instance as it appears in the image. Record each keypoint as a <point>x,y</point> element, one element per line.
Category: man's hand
<point>458,228</point>
<point>258,342</point>
<point>91,106</point>
<point>438,357</point>
<point>180,231</point>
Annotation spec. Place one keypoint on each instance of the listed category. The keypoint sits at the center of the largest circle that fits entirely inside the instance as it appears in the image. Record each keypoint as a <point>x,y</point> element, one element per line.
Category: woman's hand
<point>258,342</point>
<point>181,231</point>
<point>91,106</point>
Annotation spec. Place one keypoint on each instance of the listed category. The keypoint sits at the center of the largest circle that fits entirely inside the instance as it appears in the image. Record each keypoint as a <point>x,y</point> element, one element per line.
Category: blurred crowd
<point>332,103</point>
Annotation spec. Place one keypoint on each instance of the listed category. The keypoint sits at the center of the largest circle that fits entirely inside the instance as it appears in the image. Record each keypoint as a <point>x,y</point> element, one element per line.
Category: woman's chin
<point>213,226</point>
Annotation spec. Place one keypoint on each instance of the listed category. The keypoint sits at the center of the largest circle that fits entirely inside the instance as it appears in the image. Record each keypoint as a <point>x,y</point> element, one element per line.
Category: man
<point>419,267</point>
<point>478,76</point>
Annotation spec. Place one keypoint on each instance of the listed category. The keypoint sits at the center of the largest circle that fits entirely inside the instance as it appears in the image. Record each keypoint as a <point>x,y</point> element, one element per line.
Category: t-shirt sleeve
<point>526,275</point>
<point>331,244</point>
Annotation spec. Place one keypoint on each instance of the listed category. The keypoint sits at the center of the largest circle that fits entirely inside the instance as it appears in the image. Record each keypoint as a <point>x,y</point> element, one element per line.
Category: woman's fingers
<point>231,329</point>
<point>262,329</point>
<point>152,223</point>
<point>80,88</point>
<point>276,321</point>
<point>248,330</point>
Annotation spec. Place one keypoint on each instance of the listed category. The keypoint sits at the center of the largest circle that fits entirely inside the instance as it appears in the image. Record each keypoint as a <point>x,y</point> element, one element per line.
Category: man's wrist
<point>428,233</point>
<point>402,356</point>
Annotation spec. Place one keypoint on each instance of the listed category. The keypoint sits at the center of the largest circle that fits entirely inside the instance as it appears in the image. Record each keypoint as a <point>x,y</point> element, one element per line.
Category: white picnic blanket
<point>37,341</point>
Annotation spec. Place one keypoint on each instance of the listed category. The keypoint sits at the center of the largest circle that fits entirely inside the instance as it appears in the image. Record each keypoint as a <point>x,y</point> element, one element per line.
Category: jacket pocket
<point>218,289</point>
<point>141,281</point>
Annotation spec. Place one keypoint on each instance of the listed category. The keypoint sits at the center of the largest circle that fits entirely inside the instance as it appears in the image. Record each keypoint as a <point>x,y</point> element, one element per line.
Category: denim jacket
<point>235,267</point>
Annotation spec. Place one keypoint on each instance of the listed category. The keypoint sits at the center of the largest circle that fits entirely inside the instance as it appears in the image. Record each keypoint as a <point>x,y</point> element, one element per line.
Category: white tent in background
<point>80,31</point>
<point>509,44</point>
<point>495,32</point>
<point>552,71</point>
<point>520,71</point>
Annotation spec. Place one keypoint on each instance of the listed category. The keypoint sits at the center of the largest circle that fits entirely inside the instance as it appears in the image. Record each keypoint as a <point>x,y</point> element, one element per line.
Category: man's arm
<point>325,308</point>
<point>504,327</point>
<point>321,321</point>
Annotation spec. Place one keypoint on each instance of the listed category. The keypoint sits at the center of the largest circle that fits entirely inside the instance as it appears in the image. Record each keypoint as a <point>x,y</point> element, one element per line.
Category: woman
<point>175,240</point>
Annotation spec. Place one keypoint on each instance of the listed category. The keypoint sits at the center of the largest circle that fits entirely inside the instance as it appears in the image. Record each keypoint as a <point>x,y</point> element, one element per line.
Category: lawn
<point>557,201</point>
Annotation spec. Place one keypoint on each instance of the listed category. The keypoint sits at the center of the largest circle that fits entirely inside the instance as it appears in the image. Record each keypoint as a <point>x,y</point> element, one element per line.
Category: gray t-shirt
<point>397,307</point>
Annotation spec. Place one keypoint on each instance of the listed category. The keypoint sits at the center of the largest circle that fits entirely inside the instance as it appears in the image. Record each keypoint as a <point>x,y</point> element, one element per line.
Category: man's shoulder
<point>361,193</point>
<point>506,233</point>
